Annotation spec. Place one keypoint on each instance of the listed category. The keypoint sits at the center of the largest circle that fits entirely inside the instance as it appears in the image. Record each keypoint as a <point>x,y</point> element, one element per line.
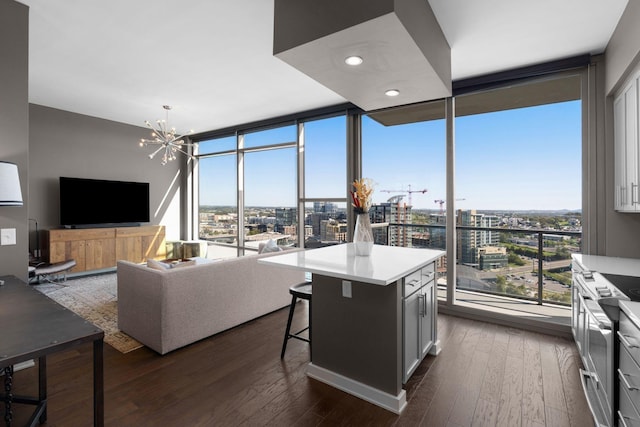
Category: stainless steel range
<point>595,316</point>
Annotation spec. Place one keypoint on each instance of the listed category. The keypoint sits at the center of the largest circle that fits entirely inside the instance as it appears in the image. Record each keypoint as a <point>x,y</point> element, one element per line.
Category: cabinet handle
<point>414,282</point>
<point>424,302</point>
<point>633,193</point>
<point>421,299</point>
<point>626,340</point>
<point>625,382</point>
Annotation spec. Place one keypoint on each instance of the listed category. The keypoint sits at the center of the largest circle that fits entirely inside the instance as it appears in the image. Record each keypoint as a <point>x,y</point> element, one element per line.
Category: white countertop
<point>385,265</point>
<point>632,309</point>
<point>609,265</point>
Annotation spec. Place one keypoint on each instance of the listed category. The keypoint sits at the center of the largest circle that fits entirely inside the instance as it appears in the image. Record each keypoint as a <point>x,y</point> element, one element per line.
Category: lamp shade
<point>10,192</point>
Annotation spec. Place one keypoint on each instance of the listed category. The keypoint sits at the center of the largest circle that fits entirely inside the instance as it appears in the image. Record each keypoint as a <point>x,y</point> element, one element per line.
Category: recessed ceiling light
<point>392,92</point>
<point>353,60</point>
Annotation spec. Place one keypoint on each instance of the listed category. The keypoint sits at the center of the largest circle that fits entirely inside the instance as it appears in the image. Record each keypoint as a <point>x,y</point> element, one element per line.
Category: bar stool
<point>302,291</point>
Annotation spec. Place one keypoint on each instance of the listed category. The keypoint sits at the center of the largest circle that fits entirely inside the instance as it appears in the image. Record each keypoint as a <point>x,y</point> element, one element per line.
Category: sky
<point>523,159</point>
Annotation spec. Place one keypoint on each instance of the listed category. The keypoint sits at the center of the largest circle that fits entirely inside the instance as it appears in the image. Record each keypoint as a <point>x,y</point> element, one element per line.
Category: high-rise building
<point>285,217</point>
<point>471,240</point>
<point>333,231</point>
<point>394,211</point>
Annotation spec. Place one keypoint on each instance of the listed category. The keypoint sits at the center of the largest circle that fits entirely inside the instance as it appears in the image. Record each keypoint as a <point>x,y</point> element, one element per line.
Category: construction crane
<point>409,192</point>
<point>442,202</point>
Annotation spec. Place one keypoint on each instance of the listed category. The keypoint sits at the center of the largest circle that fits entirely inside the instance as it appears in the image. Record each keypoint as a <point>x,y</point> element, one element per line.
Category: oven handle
<point>625,382</point>
<point>584,376</point>
<point>626,341</point>
<point>592,307</point>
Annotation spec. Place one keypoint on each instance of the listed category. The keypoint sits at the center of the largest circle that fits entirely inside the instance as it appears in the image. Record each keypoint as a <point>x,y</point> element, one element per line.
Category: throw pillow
<point>157,265</point>
<point>270,246</point>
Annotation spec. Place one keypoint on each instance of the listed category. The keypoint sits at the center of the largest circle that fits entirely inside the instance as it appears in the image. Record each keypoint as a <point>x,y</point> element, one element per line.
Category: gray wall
<point>623,50</point>
<point>74,145</point>
<point>14,127</point>
<point>622,230</point>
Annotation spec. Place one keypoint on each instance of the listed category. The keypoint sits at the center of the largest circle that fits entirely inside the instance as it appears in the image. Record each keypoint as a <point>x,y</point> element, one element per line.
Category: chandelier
<point>166,139</point>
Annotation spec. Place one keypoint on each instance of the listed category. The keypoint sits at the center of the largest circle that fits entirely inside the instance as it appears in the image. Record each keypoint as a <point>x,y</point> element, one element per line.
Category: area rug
<point>95,299</point>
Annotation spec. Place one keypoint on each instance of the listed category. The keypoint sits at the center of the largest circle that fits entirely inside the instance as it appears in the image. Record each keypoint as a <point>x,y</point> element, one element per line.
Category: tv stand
<point>100,248</point>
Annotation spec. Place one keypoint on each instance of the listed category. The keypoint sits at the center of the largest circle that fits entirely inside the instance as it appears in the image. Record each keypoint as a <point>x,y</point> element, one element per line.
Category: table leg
<point>8,397</point>
<point>98,383</point>
<point>42,386</point>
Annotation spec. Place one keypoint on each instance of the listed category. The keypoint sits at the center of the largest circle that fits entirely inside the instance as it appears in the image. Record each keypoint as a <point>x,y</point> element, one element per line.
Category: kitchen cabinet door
<point>626,152</point>
<point>427,321</point>
<point>412,306</point>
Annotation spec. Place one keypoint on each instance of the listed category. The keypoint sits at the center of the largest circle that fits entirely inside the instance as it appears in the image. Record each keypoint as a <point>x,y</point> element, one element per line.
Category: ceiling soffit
<point>544,91</point>
<point>400,41</point>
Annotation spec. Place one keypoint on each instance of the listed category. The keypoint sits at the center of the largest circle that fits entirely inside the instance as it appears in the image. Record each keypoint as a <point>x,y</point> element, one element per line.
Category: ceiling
<point>213,62</point>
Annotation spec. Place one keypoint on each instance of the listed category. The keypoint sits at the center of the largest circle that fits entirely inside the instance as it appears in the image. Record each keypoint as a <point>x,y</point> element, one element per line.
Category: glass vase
<point>363,235</point>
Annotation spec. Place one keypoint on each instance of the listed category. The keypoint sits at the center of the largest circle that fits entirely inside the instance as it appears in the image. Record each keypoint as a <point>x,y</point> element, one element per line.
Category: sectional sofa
<point>169,309</point>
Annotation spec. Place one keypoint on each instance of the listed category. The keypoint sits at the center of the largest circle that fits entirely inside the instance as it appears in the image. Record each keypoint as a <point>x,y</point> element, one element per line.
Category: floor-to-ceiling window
<point>403,152</point>
<point>325,172</point>
<point>270,186</point>
<point>285,183</point>
<point>217,195</point>
<point>518,182</point>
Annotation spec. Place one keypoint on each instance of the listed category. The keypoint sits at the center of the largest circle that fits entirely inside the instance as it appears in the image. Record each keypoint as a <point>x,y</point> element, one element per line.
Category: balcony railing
<point>535,265</point>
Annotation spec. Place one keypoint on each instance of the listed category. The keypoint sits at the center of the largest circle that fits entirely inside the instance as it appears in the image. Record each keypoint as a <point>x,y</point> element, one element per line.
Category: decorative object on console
<point>362,235</point>
<point>166,139</point>
<point>10,191</point>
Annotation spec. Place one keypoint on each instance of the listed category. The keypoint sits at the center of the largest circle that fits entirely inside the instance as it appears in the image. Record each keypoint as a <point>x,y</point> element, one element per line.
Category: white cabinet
<point>411,332</point>
<point>626,157</point>
<point>629,369</point>
<point>419,318</point>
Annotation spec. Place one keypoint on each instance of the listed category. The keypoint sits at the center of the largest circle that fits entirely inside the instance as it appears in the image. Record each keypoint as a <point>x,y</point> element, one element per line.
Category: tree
<point>515,259</point>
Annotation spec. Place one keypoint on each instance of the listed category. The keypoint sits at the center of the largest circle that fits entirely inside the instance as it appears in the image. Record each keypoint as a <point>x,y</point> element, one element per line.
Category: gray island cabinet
<point>374,318</point>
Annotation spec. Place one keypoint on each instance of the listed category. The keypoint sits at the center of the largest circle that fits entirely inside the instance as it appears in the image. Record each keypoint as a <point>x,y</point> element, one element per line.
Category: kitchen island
<point>373,317</point>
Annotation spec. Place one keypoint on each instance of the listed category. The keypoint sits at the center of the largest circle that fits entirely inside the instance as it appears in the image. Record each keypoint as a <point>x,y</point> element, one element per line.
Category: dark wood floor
<point>485,375</point>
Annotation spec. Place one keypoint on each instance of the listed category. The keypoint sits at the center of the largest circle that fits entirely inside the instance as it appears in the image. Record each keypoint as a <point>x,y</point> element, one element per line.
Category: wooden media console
<point>99,248</point>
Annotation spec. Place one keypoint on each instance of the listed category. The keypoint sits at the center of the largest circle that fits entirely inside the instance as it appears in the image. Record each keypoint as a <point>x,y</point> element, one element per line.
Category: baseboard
<point>521,322</point>
<point>380,398</point>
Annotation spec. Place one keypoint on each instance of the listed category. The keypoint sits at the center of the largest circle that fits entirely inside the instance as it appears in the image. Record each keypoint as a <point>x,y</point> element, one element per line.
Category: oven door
<point>598,376</point>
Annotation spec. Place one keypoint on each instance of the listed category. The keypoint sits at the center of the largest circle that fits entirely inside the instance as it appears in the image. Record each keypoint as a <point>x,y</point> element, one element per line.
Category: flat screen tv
<point>101,203</point>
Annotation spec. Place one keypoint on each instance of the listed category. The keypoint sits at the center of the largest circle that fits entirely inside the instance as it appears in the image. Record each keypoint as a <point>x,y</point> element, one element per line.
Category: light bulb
<point>353,60</point>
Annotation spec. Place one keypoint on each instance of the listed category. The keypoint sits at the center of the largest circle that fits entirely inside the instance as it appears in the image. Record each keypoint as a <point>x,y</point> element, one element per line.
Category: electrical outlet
<point>7,236</point>
<point>346,289</point>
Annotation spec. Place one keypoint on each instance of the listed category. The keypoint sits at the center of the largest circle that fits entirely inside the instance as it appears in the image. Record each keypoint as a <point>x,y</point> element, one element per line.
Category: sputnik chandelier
<point>166,139</point>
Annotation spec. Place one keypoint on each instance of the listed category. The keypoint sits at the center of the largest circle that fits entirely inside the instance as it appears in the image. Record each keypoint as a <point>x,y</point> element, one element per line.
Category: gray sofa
<point>169,309</point>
